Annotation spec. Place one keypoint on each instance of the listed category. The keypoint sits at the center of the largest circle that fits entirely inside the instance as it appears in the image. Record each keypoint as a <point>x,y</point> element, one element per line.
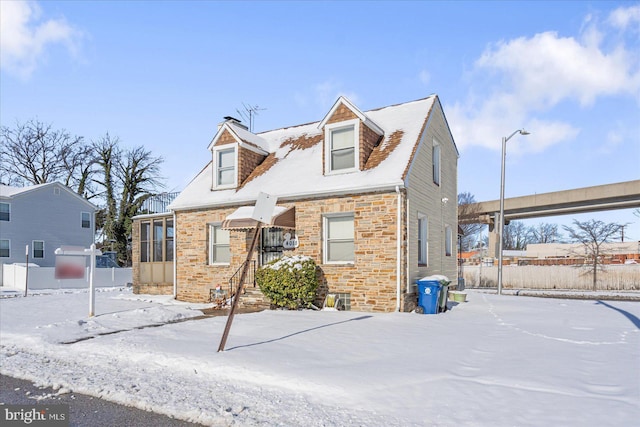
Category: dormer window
<point>225,167</point>
<point>342,146</point>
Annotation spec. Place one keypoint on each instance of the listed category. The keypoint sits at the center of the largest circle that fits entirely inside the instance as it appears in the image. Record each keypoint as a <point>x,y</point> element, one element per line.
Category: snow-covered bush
<point>289,282</point>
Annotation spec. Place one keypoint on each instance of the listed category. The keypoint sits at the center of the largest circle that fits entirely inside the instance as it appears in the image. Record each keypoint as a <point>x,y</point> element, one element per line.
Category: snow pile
<point>495,360</point>
<point>289,262</point>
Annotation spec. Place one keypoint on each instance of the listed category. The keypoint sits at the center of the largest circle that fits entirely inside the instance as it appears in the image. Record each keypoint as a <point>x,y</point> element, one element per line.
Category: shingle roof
<point>294,167</point>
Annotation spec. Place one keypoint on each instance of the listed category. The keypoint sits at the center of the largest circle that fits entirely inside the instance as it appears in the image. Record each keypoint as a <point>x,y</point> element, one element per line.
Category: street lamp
<point>501,228</point>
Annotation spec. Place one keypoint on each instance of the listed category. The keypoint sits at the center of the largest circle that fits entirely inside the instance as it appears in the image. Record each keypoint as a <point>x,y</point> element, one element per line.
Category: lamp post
<point>501,227</point>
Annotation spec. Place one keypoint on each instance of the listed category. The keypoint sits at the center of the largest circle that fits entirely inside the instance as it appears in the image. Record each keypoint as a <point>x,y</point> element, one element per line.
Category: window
<point>423,240</point>
<point>5,212</point>
<point>168,240</point>
<point>145,242</point>
<point>38,248</point>
<point>86,220</point>
<point>342,146</point>
<point>225,163</point>
<point>448,240</point>
<point>219,249</point>
<point>436,162</point>
<point>339,243</point>
<point>158,240</point>
<point>5,251</point>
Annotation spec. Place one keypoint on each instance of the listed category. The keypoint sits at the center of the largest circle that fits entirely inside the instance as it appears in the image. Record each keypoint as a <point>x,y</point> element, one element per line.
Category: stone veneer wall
<point>371,280</point>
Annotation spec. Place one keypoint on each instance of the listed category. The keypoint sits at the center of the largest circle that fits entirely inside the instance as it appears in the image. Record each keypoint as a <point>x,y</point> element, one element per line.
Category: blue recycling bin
<point>428,292</point>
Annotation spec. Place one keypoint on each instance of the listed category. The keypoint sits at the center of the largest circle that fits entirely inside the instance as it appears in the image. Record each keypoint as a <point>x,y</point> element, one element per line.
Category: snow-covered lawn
<point>492,361</point>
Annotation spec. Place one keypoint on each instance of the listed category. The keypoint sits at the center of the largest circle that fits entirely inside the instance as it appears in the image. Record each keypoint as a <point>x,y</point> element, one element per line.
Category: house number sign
<point>290,242</point>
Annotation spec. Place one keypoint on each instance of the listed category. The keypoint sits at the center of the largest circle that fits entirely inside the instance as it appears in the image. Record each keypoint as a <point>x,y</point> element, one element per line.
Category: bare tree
<point>35,153</point>
<point>544,233</point>
<point>592,234</point>
<point>467,213</point>
<point>107,154</point>
<point>516,236</point>
<point>127,178</point>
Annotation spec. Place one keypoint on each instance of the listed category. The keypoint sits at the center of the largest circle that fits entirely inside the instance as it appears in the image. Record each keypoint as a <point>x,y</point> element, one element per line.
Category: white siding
<point>425,197</point>
<point>46,215</point>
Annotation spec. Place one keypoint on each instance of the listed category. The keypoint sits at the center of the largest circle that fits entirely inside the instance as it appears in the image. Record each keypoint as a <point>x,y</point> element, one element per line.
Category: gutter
<point>175,258</point>
<point>294,196</point>
<point>398,248</point>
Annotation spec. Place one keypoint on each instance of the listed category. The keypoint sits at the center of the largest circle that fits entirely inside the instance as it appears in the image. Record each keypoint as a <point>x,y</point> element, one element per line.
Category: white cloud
<point>529,76</point>
<point>626,18</point>
<point>24,37</point>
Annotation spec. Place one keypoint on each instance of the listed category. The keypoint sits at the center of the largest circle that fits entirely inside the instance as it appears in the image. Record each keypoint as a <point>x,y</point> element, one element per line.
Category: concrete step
<point>254,298</point>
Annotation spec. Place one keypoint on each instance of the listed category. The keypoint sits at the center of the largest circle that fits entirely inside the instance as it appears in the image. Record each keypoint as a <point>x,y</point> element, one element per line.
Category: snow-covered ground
<point>492,361</point>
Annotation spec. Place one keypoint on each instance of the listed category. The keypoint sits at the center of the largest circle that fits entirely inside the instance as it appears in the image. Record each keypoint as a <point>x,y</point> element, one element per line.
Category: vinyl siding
<point>41,214</point>
<point>425,197</point>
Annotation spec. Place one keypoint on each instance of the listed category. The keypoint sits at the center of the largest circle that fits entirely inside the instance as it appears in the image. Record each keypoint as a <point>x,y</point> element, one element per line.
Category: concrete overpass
<point>622,195</point>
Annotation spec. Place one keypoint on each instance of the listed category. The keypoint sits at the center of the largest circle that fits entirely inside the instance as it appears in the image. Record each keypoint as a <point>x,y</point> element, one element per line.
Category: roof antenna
<point>249,112</point>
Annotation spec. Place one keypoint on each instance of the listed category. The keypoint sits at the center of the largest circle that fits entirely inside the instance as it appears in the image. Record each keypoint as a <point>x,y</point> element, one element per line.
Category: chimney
<point>233,120</point>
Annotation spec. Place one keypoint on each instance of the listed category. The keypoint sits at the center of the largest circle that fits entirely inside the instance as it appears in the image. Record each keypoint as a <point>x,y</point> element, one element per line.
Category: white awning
<point>241,219</point>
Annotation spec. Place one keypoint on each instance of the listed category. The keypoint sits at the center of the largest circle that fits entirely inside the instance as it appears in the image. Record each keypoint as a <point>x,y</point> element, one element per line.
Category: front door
<point>272,248</point>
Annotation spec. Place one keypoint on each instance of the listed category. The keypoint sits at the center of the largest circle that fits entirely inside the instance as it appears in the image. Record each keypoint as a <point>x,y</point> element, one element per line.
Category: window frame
<point>328,138</point>
<point>211,244</point>
<point>436,162</point>
<point>157,237</point>
<point>147,242</point>
<point>8,212</point>
<point>216,168</point>
<point>82,220</point>
<point>423,240</point>
<point>8,249</point>
<point>169,240</point>
<point>33,249</point>
<point>448,240</point>
<point>326,219</point>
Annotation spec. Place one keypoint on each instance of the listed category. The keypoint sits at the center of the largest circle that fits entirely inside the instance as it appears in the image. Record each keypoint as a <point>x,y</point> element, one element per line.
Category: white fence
<point>614,277</point>
<point>14,277</point>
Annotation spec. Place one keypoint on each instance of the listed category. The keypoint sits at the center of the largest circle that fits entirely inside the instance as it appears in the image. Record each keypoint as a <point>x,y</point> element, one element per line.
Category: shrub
<point>289,282</point>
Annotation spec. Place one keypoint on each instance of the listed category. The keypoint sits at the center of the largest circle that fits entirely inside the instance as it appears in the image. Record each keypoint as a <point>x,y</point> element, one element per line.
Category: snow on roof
<point>246,138</point>
<point>7,192</point>
<point>296,168</point>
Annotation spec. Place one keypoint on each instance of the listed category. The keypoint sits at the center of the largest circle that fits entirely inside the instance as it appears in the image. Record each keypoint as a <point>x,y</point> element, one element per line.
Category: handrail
<point>251,277</point>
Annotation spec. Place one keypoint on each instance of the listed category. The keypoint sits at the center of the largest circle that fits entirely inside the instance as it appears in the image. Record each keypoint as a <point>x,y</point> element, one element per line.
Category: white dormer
<point>229,147</point>
<point>345,146</point>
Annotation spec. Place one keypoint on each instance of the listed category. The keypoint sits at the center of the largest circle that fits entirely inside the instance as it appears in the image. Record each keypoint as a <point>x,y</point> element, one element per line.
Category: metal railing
<point>250,279</point>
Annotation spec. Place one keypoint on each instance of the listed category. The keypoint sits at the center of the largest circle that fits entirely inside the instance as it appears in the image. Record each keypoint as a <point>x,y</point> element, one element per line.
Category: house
<point>42,217</point>
<point>369,195</point>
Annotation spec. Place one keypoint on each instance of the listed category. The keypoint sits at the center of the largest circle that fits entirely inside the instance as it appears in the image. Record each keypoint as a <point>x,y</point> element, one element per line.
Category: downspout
<point>398,248</point>
<point>175,257</point>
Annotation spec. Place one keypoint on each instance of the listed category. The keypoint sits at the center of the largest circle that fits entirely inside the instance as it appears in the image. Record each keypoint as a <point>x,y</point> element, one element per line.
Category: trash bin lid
<point>434,277</point>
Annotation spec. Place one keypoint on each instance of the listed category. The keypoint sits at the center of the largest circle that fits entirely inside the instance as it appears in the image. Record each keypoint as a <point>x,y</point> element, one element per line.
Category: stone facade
<point>371,280</point>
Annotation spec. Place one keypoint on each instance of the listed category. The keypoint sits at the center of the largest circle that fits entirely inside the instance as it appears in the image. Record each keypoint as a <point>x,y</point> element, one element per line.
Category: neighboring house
<point>370,196</point>
<point>42,217</point>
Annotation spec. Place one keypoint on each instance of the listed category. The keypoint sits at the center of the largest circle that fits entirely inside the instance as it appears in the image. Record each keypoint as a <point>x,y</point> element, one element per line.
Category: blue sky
<point>163,74</point>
